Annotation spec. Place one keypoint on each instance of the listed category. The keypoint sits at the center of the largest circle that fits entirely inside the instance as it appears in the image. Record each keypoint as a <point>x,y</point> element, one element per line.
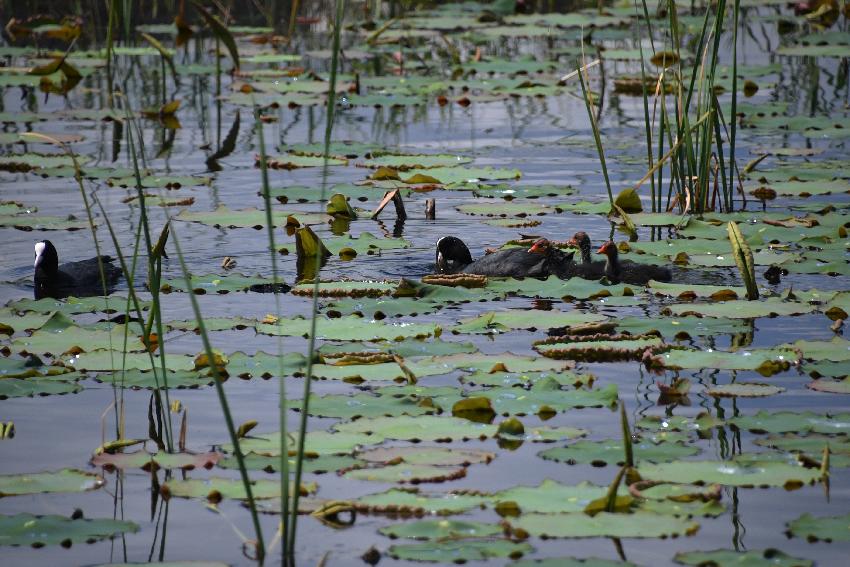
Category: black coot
<point>79,279</point>
<point>540,261</point>
<point>630,272</point>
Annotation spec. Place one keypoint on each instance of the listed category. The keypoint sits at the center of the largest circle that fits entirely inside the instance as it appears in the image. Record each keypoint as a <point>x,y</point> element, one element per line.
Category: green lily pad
<point>441,530</point>
<point>223,217</point>
<point>551,497</point>
<point>340,149</point>
<point>156,461</point>
<point>215,488</point>
<point>405,348</point>
<point>221,284</point>
<point>317,442</point>
<point>813,528</point>
<point>36,386</point>
<point>404,162</point>
<point>571,562</point>
<point>555,288</point>
<point>33,161</point>
<point>348,288</point>
<point>421,428</point>
<point>383,307</point>
<point>296,161</point>
<point>812,444</point>
<point>43,222</point>
<point>307,194</point>
<point>835,350</point>
<point>451,551</point>
<point>600,453</point>
<point>744,390</point>
<point>731,558</point>
<point>784,421</point>
<point>416,455</point>
<point>160,181</point>
<point>684,291</point>
<point>841,386</point>
<point>506,209</point>
<point>494,322</point>
<point>77,305</point>
<point>730,473</point>
<point>66,480</point>
<point>59,334</point>
<point>603,524</point>
<point>764,361</point>
<point>682,327</point>
<point>364,405</point>
<point>512,379</point>
<point>137,379</point>
<point>350,328</point>
<point>271,464</point>
<point>38,531</point>
<point>104,360</point>
<point>741,309</point>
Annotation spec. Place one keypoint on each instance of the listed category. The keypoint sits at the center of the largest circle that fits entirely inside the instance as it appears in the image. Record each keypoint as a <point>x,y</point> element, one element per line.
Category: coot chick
<point>630,272</point>
<point>587,268</point>
<point>541,260</point>
<point>79,279</point>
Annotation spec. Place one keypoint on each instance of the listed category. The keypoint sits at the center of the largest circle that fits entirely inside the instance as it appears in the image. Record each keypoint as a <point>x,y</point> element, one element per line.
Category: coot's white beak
<point>39,250</point>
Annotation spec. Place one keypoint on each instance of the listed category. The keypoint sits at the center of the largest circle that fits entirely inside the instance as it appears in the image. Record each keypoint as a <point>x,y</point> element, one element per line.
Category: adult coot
<point>79,279</point>
<point>541,260</point>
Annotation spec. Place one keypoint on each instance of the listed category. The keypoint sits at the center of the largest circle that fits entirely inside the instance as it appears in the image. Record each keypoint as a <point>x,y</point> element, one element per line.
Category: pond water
<point>549,141</point>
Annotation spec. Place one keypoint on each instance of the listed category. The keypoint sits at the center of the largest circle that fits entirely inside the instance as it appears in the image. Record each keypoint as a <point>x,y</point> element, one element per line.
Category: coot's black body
<point>540,261</point>
<point>79,279</point>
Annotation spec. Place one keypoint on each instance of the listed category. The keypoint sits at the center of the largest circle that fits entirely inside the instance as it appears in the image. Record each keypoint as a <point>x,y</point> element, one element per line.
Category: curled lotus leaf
<point>821,528</point>
<point>221,284</point>
<point>459,551</point>
<point>156,461</point>
<point>413,502</point>
<point>65,480</point>
<point>415,455</point>
<point>406,473</point>
<point>441,529</point>
<point>740,309</point>
<point>744,390</point>
<point>352,288</point>
<point>598,348</point>
<point>601,453</point>
<point>731,473</point>
<point>421,428</point>
<point>751,558</point>
<point>603,524</point>
<point>501,321</point>
<point>38,531</point>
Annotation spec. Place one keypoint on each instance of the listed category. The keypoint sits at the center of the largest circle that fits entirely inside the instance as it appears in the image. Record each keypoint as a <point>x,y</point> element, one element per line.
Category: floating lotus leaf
<point>215,488</point>
<point>510,192</point>
<point>732,558</point>
<point>412,502</point>
<point>603,524</point>
<point>680,492</point>
<point>571,562</point>
<point>42,222</point>
<point>478,361</point>
<point>306,194</point>
<point>710,509</point>
<point>224,217</point>
<point>156,461</point>
<point>271,464</point>
<point>59,334</point>
<point>104,360</point>
<point>65,480</point>
<point>76,305</point>
<point>451,551</point>
<point>214,283</point>
<point>295,161</point>
<point>442,456</point>
<point>827,368</point>
<point>383,371</point>
<point>341,149</point>
<point>404,162</point>
<point>597,347</point>
<point>766,362</point>
<point>350,328</point>
<point>841,386</point>
<point>501,321</point>
<point>16,367</point>
<point>809,188</point>
<point>364,405</point>
<point>784,421</point>
<point>811,444</point>
<point>506,209</point>
<point>730,473</point>
<point>388,100</point>
<point>422,428</point>
<point>317,443</point>
<point>600,453</point>
<point>352,288</point>
<point>829,528</point>
<point>271,57</point>
<point>441,530</point>
<point>136,379</point>
<point>405,348</point>
<point>509,379</point>
<point>741,309</point>
<point>160,181</point>
<point>212,324</point>
<point>682,327</point>
<point>555,288</point>
<point>364,243</point>
<point>38,531</point>
<point>382,307</point>
<point>703,423</point>
<point>551,497</point>
<point>744,390</point>
<point>690,291</point>
<point>36,386</point>
<point>31,161</point>
<point>407,473</point>
<point>836,350</point>
<point>264,365</point>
